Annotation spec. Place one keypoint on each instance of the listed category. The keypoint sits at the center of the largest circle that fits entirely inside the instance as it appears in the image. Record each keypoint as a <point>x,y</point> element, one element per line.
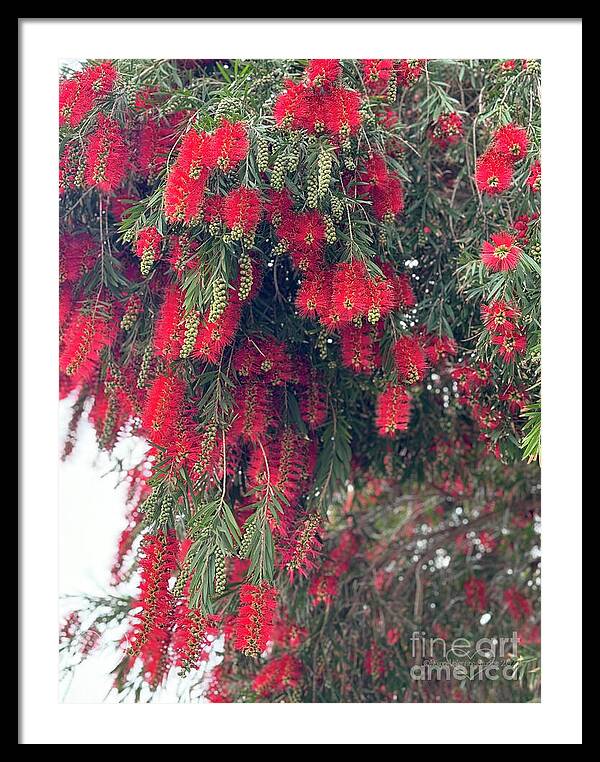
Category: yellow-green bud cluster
<point>130,316</point>
<point>182,578</point>
<point>278,173</point>
<point>165,510</point>
<point>150,504</point>
<point>392,88</point>
<point>246,278</point>
<point>147,261</point>
<point>280,248</point>
<point>321,344</point>
<point>374,314</point>
<point>262,155</point>
<point>220,574</point>
<point>324,177</point>
<point>246,542</point>
<point>192,322</point>
<point>110,420</point>
<point>293,158</point>
<point>145,366</point>
<point>337,208</point>
<point>237,232</point>
<point>214,227</point>
<point>312,192</point>
<point>219,301</point>
<point>330,234</point>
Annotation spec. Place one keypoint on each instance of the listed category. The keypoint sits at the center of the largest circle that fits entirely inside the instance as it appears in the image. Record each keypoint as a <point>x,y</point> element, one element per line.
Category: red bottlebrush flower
<point>214,336</point>
<point>106,156</point>
<point>265,358</point>
<point>241,210</point>
<point>374,663</point>
<point>186,181</point>
<point>77,255</point>
<point>534,181</point>
<point>499,316</point>
<point>388,199</point>
<point>393,410</point>
<point>377,73</point>
<point>501,254</point>
<point>374,172</point>
<point>439,348</point>
<point>475,590</point>
<point>153,143</point>
<point>192,636</point>
<point>290,107</point>
<point>511,141</point>
<point>305,236</point>
<point>411,362</point>
<point>323,72</point>
<point>341,115</point>
<point>79,94</point>
<point>314,298</point>
<point>147,247</point>
<point>278,676</point>
<point>252,409</point>
<point>278,207</point>
<point>313,403</point>
<point>349,296</point>
<point>518,605</point>
<point>510,344</point>
<point>169,331</point>
<point>84,339</point>
<point>493,173</point>
<point>323,589</point>
<point>410,70</point>
<point>358,349</point>
<point>161,411</point>
<point>447,130</point>
<point>508,65</point>
<point>254,621</point>
<point>298,556</point>
<point>67,167</point>
<point>228,145</point>
<point>151,623</point>
<point>516,398</point>
<point>404,292</point>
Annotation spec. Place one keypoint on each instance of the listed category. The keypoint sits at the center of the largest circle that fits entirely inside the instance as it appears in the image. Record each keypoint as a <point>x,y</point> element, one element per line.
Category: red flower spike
<point>511,141</point>
<point>106,156</point>
<point>254,623</point>
<point>393,410</point>
<point>493,173</point>
<point>500,254</point>
<point>411,361</point>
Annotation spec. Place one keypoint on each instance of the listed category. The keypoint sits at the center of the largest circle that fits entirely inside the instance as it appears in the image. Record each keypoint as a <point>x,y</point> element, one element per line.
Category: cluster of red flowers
<point>383,188</point>
<point>319,104</point>
<point>501,320</point>
<point>393,410</point>
<point>254,623</point>
<point>494,171</point>
<point>325,584</point>
<point>500,254</point>
<point>79,94</point>
<point>521,226</point>
<point>279,675</point>
<point>200,154</point>
<point>447,130</point>
<point>106,155</point>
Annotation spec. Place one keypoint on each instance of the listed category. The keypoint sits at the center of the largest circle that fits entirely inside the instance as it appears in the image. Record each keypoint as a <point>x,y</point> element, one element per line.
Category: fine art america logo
<point>464,659</point>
